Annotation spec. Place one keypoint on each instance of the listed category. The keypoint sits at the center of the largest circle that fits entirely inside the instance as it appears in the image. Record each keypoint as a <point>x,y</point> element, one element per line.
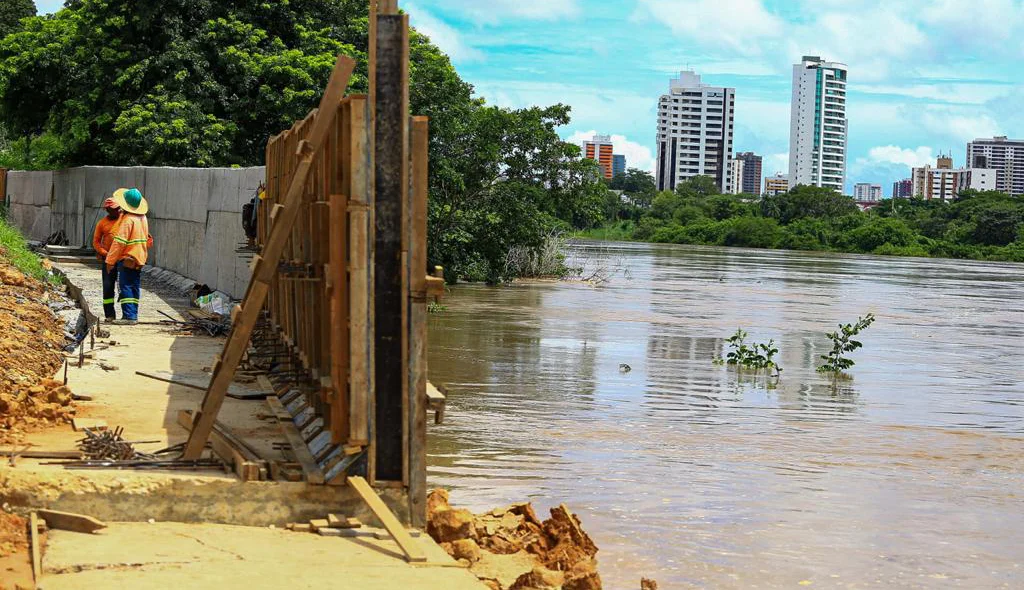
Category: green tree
<point>638,184</point>
<point>698,186</point>
<point>808,201</point>
<point>11,13</point>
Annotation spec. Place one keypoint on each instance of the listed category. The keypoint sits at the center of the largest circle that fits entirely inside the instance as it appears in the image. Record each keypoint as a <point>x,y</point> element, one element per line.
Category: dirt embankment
<point>512,549</point>
<point>31,339</point>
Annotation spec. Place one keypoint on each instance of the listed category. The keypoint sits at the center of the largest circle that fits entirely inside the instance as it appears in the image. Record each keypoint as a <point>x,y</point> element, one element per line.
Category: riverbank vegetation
<point>199,83</point>
<point>978,225</point>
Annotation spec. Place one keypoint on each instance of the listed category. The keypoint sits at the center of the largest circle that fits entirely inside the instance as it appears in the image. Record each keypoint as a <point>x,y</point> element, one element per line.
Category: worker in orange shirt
<point>102,239</point>
<point>130,251</point>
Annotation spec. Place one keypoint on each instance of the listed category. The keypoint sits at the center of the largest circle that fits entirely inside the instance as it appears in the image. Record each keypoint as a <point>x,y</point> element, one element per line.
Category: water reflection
<point>701,475</point>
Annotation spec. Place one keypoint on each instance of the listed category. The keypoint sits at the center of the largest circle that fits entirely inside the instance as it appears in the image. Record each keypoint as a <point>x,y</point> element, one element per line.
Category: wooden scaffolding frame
<point>339,287</point>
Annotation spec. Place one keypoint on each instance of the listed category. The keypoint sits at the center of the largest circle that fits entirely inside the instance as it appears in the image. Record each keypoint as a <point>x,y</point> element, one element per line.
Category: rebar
<point>109,445</point>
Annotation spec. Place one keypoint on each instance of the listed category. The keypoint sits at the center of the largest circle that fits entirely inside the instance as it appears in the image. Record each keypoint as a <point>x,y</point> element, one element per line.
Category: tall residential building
<point>599,149</point>
<point>618,164</point>
<point>903,189</point>
<point>818,126</point>
<point>865,192</point>
<point>944,183</point>
<point>1005,156</point>
<point>736,176</point>
<point>695,130</point>
<point>776,185</point>
<point>750,178</point>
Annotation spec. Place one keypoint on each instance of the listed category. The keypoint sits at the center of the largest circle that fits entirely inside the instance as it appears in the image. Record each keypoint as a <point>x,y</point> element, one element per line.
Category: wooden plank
<point>310,469</point>
<point>264,273</point>
<point>37,556</point>
<point>69,521</point>
<point>201,382</point>
<point>417,313</point>
<point>360,254</point>
<point>244,462</point>
<point>413,551</point>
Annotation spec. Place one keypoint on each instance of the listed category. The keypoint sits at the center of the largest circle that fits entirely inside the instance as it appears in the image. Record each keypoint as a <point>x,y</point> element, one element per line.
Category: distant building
<point>750,173</point>
<point>944,183</point>
<point>1005,156</point>
<point>866,192</point>
<point>818,125</point>
<point>618,164</point>
<point>599,149</point>
<point>736,176</point>
<point>776,185</point>
<point>695,130</point>
<point>903,189</point>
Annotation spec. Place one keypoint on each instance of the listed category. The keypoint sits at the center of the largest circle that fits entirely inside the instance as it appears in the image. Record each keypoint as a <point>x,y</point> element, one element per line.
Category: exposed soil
<point>15,559</point>
<point>512,549</point>
<point>31,338</point>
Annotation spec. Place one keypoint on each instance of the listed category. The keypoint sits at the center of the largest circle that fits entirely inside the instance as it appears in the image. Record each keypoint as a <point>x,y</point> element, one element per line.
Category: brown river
<point>909,475</point>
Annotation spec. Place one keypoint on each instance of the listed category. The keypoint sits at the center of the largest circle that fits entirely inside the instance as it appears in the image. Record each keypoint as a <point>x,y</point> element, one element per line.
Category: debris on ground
<point>31,342</point>
<point>646,584</point>
<point>13,537</point>
<point>512,549</point>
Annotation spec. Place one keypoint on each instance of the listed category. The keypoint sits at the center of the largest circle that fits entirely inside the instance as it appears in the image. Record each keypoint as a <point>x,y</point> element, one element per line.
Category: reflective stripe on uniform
<point>129,300</point>
<point>109,301</point>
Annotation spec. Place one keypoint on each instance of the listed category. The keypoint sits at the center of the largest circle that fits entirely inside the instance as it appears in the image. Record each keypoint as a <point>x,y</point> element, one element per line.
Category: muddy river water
<point>909,475</point>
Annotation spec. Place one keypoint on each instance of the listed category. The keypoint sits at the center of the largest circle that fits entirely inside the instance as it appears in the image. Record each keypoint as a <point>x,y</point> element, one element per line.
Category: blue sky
<point>925,75</point>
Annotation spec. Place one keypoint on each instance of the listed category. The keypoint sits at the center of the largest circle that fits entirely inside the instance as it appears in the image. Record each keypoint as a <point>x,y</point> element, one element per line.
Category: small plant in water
<point>754,356</point>
<point>843,343</point>
<point>435,307</point>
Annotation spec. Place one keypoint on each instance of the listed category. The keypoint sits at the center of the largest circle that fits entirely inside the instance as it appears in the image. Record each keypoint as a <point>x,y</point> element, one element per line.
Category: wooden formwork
<point>340,286</point>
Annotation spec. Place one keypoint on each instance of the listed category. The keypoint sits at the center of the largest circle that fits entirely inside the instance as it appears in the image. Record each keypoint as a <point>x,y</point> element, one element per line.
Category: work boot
<point>109,320</point>
<point>124,322</point>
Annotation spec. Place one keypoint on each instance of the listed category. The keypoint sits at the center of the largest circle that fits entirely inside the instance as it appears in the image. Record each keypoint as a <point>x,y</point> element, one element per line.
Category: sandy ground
<point>146,408</point>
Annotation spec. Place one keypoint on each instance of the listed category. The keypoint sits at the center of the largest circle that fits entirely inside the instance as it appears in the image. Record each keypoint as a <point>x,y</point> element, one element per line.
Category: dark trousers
<point>109,285</point>
<point>130,281</point>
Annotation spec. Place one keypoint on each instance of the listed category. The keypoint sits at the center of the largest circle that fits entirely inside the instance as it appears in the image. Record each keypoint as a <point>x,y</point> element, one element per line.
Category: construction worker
<point>129,251</point>
<point>102,238</point>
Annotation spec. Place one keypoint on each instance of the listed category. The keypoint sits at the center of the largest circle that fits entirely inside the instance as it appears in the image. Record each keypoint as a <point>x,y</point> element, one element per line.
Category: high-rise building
<point>903,189</point>
<point>695,130</point>
<point>944,183</point>
<point>865,192</point>
<point>1005,156</point>
<point>818,126</point>
<point>776,185</point>
<point>750,173</point>
<point>736,176</point>
<point>599,149</point>
<point>618,164</point>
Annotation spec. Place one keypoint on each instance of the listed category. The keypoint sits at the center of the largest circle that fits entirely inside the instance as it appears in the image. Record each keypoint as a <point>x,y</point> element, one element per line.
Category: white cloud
<point>956,124</point>
<point>738,23</point>
<point>637,155</point>
<point>893,154</point>
<point>494,11</point>
<point>442,34</point>
<point>773,164</point>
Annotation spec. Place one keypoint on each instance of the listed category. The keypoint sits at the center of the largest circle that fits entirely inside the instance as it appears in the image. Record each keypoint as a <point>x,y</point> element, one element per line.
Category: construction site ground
<point>210,529</point>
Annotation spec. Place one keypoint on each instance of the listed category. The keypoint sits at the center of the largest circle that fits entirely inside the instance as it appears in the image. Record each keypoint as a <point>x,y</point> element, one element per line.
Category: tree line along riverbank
<point>977,225</point>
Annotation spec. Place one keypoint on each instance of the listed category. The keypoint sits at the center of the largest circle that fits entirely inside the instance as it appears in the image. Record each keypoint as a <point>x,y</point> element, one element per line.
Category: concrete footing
<point>132,496</point>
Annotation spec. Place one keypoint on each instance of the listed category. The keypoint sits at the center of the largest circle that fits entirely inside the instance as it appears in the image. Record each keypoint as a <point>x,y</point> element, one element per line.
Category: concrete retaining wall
<point>194,215</point>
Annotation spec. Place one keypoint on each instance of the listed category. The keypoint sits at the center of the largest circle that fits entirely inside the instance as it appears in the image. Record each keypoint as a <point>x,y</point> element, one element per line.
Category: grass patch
<point>621,231</point>
<point>15,249</point>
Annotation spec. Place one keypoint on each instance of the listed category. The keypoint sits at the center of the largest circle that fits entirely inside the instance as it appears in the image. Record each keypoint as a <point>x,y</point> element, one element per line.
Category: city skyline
<point>939,80</point>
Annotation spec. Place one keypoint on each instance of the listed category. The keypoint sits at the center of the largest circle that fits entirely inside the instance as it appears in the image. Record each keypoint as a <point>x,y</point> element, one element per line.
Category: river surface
<point>909,475</point>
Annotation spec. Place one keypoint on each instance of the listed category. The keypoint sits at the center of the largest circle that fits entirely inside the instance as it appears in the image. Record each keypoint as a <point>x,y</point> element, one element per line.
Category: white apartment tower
<point>817,134</point>
<point>695,129</point>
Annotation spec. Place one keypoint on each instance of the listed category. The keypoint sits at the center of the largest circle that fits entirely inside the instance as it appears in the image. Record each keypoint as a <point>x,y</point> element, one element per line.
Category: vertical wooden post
<point>391,269</point>
<point>360,284</point>
<point>417,448</point>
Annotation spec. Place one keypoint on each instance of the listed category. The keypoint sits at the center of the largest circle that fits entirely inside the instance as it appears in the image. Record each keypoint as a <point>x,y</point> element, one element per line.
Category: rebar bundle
<point>109,445</point>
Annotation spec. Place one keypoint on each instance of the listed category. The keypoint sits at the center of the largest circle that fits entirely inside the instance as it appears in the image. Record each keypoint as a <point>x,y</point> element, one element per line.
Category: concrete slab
<point>165,555</point>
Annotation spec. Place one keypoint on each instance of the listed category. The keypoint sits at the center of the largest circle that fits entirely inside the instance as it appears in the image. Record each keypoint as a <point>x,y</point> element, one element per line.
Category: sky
<point>925,76</point>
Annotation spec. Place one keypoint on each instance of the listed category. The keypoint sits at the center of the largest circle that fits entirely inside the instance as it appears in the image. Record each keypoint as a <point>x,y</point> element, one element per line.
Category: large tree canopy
<point>11,13</point>
<point>206,83</point>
